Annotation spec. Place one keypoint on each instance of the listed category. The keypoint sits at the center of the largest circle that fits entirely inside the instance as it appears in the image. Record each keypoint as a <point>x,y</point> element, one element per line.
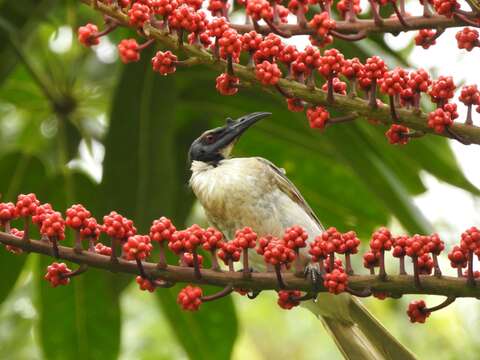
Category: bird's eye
<point>209,138</point>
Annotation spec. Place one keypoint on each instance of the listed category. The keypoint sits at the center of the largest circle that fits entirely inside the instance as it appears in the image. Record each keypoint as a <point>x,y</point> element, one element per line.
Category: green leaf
<point>145,176</point>
<point>20,173</point>
<point>81,320</point>
<point>22,15</point>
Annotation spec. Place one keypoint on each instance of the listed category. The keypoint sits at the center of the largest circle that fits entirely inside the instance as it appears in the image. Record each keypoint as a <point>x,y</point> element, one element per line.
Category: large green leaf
<point>21,16</point>
<point>81,320</point>
<point>20,173</point>
<point>145,176</point>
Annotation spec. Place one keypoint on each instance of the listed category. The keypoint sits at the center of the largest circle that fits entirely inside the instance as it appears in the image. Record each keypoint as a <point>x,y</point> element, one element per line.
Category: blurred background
<point>78,126</point>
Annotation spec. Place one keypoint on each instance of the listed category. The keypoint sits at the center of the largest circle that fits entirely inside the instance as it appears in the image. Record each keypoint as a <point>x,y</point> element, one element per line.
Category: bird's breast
<point>236,194</point>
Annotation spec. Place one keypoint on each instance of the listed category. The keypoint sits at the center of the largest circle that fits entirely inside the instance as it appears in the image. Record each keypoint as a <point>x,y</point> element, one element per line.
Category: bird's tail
<point>356,332</point>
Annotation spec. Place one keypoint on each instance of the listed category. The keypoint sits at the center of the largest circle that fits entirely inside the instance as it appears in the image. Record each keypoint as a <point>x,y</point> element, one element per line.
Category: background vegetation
<point>76,126</point>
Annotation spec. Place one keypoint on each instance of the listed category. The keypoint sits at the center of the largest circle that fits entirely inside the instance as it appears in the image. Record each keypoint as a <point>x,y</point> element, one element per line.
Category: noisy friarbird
<point>240,192</point>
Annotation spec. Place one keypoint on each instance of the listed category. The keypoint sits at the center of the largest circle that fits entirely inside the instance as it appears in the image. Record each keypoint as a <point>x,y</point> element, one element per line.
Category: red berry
<point>375,68</point>
<point>218,26</point>
<point>446,7</point>
<point>339,87</point>
<point>317,117</point>
<point>399,246</point>
<point>470,240</point>
<point>251,41</point>
<point>259,9</point>
<point>145,284</point>
<point>470,95</point>
<point>117,226</point>
<point>128,51</point>
<point>186,240</point>
<point>162,230</point>
<point>295,237</point>
<point>398,134</point>
<point>331,63</point>
<point>76,215</point>
<point>53,226</point>
<point>164,62</point>
<point>164,7</point>
<point>322,24</point>
<point>287,299</point>
<point>268,73</point>
<point>263,242</point>
<point>381,240</point>
<point>90,229</point>
<point>7,213</point>
<point>245,238</point>
<point>337,264</point>
<point>371,259</point>
<point>278,253</point>
<point>190,298</point>
<point>103,250</point>
<point>139,14</point>
<point>343,7</point>
<point>317,249</point>
<point>442,90</point>
<point>187,259</point>
<point>425,264</point>
<point>211,239</point>
<point>230,44</point>
<point>394,82</point>
<point>137,247</point>
<point>439,119</point>
<point>288,54</point>
<point>187,18</point>
<point>467,39</point>
<point>333,241</point>
<point>417,311</point>
<point>269,48</point>
<point>229,251</point>
<point>26,205</point>
<point>13,249</point>
<point>351,68</point>
<point>336,281</point>
<point>434,244</point>
<point>295,5</point>
<point>56,274</point>
<point>424,38</point>
<point>419,80</point>
<point>87,35</point>
<point>217,7</point>
<point>350,242</point>
<point>295,105</point>
<point>306,61</point>
<point>40,213</point>
<point>458,257</point>
<point>196,4</point>
<point>415,246</point>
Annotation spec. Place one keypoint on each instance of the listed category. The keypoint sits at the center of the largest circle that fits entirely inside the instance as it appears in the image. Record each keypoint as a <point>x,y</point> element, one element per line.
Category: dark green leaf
<point>81,320</point>
<point>21,16</point>
<point>20,173</point>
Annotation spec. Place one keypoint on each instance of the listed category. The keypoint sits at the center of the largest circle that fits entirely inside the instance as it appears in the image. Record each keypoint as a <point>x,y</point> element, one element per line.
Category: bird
<point>252,191</point>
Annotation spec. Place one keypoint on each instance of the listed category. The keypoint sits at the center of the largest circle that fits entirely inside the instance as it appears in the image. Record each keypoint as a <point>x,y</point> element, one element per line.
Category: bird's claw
<point>313,274</point>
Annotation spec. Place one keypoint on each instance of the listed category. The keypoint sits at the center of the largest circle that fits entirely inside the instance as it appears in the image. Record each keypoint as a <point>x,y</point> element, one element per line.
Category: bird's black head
<point>216,144</point>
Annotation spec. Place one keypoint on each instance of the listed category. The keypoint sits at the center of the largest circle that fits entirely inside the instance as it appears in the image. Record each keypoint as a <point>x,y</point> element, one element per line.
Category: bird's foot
<point>313,274</point>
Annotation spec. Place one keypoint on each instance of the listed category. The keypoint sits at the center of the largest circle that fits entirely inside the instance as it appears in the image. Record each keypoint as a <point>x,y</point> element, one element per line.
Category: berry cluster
<point>271,58</point>
<point>279,253</point>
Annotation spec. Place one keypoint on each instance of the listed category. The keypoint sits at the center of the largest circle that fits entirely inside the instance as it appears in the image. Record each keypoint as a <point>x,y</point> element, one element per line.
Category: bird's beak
<point>235,128</point>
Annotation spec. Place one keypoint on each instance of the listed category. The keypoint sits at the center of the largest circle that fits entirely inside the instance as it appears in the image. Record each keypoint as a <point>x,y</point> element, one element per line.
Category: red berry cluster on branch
<point>270,57</point>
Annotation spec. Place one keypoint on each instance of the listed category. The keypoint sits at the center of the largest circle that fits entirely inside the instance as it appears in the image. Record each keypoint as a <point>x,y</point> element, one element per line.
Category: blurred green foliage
<point>63,107</point>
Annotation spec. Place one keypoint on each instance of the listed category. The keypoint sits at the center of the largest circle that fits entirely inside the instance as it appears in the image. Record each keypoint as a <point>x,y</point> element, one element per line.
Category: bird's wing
<point>290,189</point>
